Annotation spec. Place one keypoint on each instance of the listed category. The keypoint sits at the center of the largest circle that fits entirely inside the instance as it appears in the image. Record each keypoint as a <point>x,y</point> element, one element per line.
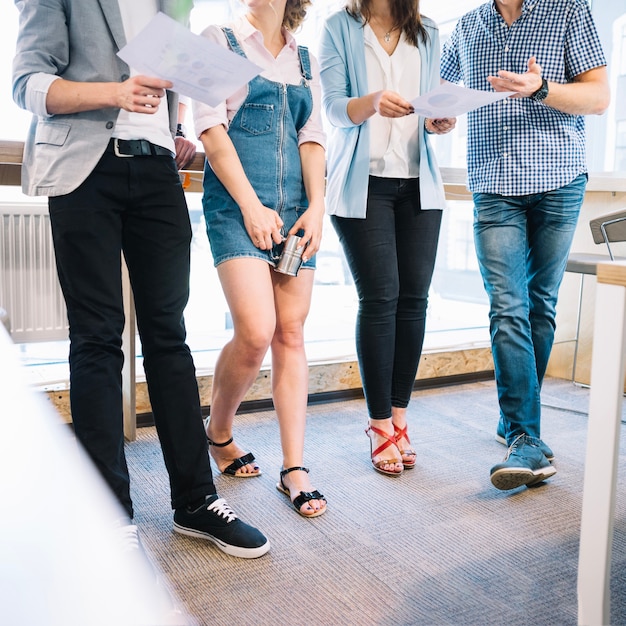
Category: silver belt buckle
<point>116,149</point>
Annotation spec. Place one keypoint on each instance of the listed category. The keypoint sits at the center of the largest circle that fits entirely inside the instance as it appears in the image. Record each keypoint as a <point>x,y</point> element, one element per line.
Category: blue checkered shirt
<point>517,146</point>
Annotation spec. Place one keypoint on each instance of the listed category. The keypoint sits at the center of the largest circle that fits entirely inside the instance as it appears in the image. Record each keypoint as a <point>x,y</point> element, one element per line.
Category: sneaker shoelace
<point>221,508</point>
<point>513,447</point>
<point>128,538</point>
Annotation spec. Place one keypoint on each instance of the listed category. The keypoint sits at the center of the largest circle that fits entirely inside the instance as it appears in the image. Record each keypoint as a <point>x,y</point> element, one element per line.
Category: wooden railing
<point>10,162</point>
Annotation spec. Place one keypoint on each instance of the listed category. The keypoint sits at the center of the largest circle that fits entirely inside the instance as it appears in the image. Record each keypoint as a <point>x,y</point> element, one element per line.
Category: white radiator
<point>29,288</point>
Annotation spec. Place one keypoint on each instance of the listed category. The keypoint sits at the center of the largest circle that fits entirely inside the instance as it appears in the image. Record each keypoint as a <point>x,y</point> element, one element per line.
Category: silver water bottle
<point>291,257</point>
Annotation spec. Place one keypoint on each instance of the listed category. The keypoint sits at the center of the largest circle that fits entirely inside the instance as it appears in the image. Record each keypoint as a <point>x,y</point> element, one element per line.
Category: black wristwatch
<point>541,93</point>
<point>180,131</point>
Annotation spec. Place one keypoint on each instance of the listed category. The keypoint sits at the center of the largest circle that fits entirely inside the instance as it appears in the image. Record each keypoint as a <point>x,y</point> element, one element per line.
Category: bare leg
<point>247,286</point>
<point>290,377</point>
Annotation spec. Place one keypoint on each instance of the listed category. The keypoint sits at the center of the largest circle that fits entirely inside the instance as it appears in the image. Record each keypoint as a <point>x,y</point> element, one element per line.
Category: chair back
<point>609,228</point>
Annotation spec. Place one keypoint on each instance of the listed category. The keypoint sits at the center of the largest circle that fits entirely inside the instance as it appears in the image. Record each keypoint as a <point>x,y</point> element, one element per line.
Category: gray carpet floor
<point>437,546</point>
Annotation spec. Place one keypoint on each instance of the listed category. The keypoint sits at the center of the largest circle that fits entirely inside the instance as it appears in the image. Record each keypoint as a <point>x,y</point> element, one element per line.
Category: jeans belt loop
<point>116,149</point>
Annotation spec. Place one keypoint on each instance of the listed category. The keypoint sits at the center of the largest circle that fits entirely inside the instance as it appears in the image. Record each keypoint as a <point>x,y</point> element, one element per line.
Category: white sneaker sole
<point>242,553</point>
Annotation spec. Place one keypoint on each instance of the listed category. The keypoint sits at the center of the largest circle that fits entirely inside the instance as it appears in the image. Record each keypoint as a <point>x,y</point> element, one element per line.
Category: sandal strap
<point>391,440</point>
<point>402,433</point>
<point>284,472</point>
<point>220,445</point>
<point>237,463</point>
<point>305,496</point>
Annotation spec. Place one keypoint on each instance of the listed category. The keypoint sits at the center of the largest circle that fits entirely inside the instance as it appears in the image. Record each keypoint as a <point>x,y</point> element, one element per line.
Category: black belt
<point>136,147</point>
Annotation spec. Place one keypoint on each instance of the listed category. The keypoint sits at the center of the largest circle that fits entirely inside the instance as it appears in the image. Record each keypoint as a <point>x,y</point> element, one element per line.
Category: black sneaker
<point>500,438</point>
<point>215,520</point>
<point>524,464</point>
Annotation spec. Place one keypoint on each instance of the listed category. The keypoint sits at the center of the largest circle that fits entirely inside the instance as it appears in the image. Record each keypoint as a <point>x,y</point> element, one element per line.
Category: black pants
<point>391,254</point>
<point>135,205</point>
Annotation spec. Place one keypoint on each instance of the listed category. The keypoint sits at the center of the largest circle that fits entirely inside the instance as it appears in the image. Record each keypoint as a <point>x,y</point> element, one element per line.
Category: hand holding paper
<point>450,100</point>
<point>197,67</point>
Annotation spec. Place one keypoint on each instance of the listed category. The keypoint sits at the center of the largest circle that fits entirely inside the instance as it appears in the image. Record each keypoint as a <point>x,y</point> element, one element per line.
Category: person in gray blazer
<point>102,147</point>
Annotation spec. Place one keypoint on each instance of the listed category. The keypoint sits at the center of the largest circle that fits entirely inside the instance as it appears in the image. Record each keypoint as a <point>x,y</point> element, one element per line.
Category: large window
<point>458,309</point>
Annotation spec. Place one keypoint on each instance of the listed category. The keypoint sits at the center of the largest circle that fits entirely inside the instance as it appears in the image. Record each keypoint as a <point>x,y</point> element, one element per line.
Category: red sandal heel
<point>391,441</point>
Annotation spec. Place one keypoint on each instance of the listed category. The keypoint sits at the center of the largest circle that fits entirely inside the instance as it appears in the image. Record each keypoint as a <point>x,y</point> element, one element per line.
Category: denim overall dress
<point>264,132</point>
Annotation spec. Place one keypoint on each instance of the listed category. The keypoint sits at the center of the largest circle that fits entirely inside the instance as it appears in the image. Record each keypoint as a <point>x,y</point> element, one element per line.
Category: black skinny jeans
<point>135,205</point>
<point>391,254</point>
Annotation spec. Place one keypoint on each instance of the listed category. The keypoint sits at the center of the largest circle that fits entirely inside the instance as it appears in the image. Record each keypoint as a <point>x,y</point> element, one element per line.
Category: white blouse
<point>394,142</point>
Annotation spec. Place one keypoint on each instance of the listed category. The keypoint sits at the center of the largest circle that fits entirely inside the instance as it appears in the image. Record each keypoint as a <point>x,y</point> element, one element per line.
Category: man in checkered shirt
<point>527,172</point>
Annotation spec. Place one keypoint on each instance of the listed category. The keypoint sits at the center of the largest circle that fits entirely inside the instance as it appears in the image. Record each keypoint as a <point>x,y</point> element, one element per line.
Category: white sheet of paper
<point>450,100</point>
<point>197,67</point>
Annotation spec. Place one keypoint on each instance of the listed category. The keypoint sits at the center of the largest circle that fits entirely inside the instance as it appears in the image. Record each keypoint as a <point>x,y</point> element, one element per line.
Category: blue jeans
<point>391,254</point>
<point>522,244</point>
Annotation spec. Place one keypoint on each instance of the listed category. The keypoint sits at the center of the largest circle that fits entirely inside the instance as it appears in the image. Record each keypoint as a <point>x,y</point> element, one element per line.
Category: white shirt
<point>394,142</point>
<point>156,127</point>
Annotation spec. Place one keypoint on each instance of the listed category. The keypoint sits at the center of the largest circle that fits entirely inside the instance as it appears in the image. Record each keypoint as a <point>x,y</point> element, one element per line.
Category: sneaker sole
<point>242,553</point>
<point>511,478</point>
<point>502,440</point>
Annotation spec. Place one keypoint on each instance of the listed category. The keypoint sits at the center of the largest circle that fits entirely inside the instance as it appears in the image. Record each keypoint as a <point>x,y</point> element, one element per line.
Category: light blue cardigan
<point>343,75</point>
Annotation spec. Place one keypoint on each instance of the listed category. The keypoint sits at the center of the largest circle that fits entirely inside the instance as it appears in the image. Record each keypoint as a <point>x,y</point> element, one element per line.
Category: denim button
<point>110,125</point>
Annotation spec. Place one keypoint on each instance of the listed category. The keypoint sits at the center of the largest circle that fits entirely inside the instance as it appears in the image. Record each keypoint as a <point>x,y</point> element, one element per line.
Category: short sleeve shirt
<point>517,146</point>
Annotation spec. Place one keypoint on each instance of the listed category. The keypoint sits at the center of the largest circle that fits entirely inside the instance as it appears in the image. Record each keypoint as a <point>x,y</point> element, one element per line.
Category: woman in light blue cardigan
<point>385,197</point>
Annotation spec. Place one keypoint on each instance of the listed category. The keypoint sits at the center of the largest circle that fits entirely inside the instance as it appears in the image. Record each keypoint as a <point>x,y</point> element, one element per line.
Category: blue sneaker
<point>524,464</point>
<point>500,438</point>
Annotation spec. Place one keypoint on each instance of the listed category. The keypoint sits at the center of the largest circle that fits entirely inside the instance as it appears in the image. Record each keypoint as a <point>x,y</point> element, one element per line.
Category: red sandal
<point>378,465</point>
<point>402,433</point>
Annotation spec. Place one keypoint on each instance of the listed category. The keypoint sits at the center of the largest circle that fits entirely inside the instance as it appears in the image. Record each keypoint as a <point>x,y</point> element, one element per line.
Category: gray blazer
<point>76,40</point>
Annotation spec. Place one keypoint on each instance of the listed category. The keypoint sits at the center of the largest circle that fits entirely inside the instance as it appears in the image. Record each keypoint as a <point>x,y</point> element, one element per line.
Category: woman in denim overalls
<point>264,180</point>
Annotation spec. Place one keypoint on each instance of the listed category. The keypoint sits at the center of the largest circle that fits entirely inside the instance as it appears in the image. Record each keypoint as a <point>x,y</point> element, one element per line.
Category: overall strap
<point>232,41</point>
<point>305,63</point>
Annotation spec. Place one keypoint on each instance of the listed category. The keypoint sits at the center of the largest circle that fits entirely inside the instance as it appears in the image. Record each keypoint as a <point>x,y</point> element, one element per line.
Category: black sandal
<point>231,470</point>
<point>304,496</point>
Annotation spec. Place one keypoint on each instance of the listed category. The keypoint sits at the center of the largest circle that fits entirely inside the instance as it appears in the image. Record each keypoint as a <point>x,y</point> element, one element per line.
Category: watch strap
<point>541,93</point>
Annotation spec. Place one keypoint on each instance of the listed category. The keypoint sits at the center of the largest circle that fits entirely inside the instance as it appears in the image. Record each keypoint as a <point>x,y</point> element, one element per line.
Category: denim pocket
<point>257,119</point>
